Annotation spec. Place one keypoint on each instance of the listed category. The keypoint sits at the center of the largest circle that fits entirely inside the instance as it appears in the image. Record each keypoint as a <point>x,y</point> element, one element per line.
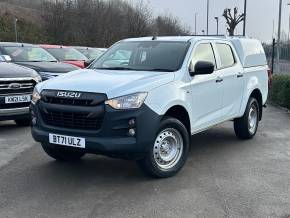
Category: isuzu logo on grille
<point>68,94</point>
<point>14,86</point>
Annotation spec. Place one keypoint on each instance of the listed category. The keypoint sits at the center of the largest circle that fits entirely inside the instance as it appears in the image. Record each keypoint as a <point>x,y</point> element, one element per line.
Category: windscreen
<point>144,56</point>
<point>28,54</point>
<point>67,54</point>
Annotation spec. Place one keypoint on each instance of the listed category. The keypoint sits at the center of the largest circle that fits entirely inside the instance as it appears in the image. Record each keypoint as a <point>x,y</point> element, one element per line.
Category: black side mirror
<point>88,62</point>
<point>202,68</point>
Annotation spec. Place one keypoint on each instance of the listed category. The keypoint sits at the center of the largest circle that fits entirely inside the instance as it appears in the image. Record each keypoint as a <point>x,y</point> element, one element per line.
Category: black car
<point>16,87</point>
<point>36,58</point>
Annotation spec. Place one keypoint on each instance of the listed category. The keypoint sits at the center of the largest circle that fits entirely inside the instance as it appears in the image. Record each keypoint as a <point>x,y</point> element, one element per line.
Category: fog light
<point>132,122</point>
<point>33,118</point>
<point>132,132</point>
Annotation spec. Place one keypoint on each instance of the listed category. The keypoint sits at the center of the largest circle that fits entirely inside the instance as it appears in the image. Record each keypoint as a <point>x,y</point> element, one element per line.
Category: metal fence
<point>271,53</point>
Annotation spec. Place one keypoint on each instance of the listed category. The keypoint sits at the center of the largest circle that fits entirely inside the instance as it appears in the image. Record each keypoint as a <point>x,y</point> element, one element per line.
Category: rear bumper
<point>112,139</point>
<point>14,113</point>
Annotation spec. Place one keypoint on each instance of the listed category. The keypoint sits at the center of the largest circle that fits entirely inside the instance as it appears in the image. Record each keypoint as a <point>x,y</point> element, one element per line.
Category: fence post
<point>273,55</point>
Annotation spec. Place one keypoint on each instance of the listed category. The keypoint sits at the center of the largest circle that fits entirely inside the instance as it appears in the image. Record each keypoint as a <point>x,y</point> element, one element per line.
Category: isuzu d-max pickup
<point>145,97</point>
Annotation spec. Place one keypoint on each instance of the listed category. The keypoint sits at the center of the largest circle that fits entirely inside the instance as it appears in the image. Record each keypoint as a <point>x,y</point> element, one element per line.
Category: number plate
<point>67,141</point>
<point>17,99</point>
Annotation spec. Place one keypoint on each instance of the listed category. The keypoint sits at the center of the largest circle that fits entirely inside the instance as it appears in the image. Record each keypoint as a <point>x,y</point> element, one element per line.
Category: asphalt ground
<point>223,177</point>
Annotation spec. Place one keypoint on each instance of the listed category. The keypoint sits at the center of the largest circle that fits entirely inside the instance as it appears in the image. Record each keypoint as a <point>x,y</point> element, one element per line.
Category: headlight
<point>38,79</point>
<point>35,96</point>
<point>128,102</point>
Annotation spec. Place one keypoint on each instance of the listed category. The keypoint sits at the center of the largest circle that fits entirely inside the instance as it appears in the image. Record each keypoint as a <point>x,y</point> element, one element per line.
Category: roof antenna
<point>154,38</point>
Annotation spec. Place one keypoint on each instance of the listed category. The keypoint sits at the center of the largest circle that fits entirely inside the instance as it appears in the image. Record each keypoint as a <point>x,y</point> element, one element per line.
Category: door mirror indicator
<point>201,68</point>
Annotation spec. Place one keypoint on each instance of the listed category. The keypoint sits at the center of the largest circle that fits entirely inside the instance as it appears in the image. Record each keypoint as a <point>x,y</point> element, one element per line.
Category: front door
<point>207,91</point>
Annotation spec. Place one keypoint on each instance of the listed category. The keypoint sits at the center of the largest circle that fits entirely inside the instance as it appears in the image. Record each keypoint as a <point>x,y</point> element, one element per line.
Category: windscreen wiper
<point>161,70</point>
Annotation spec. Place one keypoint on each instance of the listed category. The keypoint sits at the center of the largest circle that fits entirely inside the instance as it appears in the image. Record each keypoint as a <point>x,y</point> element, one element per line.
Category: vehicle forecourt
<point>144,97</point>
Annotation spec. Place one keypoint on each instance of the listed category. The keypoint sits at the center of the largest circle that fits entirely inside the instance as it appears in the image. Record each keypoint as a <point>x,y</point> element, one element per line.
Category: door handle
<point>219,80</point>
<point>240,75</point>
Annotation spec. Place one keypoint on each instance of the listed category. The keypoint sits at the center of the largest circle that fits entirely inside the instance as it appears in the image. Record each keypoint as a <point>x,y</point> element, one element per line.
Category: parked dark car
<point>36,58</point>
<point>16,87</point>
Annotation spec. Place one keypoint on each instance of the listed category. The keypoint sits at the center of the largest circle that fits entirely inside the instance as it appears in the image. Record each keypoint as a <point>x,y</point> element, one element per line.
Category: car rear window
<point>226,55</point>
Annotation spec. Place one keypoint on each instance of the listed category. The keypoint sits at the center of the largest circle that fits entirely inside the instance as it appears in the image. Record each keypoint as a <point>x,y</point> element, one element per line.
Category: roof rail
<point>211,35</point>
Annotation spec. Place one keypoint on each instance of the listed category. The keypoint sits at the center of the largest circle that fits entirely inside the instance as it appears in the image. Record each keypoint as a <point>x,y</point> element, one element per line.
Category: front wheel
<point>169,152</point>
<point>246,127</point>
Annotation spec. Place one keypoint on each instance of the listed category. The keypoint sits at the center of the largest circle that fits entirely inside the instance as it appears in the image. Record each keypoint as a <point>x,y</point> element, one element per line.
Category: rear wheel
<point>23,122</point>
<point>169,152</point>
<point>246,127</point>
<point>62,153</point>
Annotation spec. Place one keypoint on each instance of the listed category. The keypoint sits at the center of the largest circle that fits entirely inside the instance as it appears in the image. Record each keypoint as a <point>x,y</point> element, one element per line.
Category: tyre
<point>246,127</point>
<point>62,153</point>
<point>23,122</point>
<point>169,152</point>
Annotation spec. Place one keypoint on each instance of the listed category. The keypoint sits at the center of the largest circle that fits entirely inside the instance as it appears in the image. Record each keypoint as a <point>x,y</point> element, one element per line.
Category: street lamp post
<point>207,19</point>
<point>289,27</point>
<point>217,25</point>
<point>279,37</point>
<point>195,23</point>
<point>245,17</point>
<point>15,29</point>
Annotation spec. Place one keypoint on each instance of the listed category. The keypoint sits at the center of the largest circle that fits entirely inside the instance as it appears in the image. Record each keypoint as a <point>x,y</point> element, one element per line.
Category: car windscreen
<point>91,53</point>
<point>66,54</point>
<point>144,56</point>
<point>2,59</point>
<point>28,54</point>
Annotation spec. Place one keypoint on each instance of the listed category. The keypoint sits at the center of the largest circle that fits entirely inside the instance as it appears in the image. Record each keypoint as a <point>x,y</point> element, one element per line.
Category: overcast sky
<point>261,14</point>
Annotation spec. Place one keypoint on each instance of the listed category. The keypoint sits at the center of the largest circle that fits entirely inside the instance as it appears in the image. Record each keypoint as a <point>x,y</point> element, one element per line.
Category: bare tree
<point>103,22</point>
<point>232,20</point>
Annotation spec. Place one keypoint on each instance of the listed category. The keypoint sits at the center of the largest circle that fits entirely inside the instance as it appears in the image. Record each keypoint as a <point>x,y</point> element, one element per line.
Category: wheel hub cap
<point>168,148</point>
<point>253,119</point>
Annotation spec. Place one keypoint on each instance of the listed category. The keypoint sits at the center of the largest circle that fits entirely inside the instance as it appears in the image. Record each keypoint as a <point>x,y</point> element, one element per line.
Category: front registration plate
<point>67,141</point>
<point>17,99</point>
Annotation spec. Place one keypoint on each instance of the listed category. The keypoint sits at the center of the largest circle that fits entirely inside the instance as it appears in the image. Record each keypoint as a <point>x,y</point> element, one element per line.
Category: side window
<point>226,55</point>
<point>203,52</point>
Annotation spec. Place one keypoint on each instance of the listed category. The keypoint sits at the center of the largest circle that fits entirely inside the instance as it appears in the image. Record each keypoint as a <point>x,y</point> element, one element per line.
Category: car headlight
<point>132,101</point>
<point>38,79</point>
<point>35,96</point>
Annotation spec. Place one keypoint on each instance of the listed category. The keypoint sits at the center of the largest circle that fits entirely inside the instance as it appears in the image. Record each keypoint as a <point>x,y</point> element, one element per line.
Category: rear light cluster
<point>270,78</point>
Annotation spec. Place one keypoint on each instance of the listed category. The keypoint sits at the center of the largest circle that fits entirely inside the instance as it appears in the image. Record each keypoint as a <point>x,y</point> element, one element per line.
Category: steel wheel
<point>168,148</point>
<point>253,119</point>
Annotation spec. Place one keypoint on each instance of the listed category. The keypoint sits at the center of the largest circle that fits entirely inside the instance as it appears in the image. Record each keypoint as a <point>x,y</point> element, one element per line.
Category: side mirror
<point>88,62</point>
<point>202,68</point>
<point>6,58</point>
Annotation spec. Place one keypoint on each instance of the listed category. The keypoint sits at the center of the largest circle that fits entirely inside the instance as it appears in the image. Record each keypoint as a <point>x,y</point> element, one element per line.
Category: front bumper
<point>112,139</point>
<point>14,113</point>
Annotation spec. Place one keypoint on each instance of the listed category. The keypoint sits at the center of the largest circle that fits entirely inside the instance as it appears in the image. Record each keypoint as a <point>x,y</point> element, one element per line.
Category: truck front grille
<point>66,101</point>
<point>16,86</point>
<point>72,120</point>
<point>83,113</point>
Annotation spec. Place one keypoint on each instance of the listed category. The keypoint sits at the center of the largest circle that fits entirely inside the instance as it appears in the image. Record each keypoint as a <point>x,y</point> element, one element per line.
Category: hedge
<point>280,91</point>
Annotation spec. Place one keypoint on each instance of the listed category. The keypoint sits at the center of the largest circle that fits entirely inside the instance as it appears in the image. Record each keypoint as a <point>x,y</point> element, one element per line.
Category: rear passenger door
<point>206,90</point>
<point>231,73</point>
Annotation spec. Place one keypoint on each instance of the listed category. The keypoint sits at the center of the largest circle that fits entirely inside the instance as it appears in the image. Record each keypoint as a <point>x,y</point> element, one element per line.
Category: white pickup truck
<point>145,97</point>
